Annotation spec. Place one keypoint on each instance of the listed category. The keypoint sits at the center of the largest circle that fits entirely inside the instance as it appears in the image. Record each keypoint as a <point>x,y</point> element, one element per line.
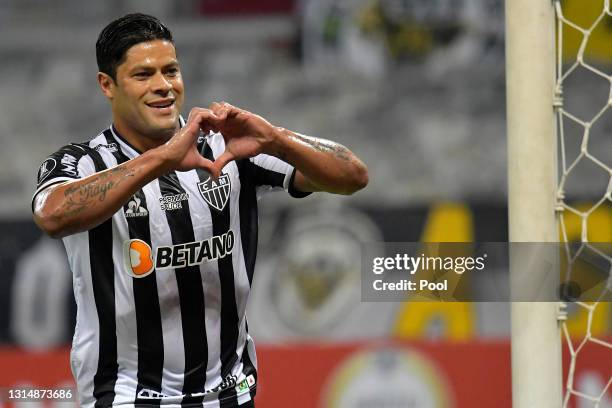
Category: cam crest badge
<point>216,193</point>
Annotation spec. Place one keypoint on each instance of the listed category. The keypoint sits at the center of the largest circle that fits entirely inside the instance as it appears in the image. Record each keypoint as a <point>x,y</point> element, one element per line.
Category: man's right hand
<point>82,204</point>
<point>180,152</point>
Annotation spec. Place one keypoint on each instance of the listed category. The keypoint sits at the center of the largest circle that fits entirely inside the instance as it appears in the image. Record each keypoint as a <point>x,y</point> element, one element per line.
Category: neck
<point>142,142</point>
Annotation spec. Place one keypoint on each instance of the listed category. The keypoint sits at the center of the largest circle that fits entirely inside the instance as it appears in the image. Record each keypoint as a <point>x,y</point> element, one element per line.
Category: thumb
<point>220,163</point>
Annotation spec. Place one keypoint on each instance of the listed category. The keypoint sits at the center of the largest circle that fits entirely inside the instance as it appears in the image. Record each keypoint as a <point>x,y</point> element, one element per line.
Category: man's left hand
<point>246,134</point>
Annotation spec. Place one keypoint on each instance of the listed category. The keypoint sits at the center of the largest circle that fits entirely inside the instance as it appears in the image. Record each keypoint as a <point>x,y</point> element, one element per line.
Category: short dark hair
<point>121,34</point>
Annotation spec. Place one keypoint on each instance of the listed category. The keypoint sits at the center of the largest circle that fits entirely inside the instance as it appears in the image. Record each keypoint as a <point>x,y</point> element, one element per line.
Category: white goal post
<point>530,81</point>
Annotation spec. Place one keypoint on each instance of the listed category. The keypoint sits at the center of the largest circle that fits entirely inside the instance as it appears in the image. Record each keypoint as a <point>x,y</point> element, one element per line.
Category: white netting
<point>584,119</point>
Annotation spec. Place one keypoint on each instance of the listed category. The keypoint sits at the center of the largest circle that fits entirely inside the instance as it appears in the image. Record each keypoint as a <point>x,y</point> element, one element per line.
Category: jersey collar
<point>126,147</point>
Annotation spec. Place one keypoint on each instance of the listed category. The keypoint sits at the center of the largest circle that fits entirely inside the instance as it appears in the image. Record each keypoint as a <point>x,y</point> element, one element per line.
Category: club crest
<point>216,193</point>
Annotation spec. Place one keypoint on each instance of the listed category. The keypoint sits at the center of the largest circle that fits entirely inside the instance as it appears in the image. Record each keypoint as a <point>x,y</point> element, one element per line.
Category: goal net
<point>559,118</point>
<point>583,107</point>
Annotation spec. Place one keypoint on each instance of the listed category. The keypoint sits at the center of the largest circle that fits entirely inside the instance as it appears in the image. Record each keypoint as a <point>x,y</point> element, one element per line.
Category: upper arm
<point>67,164</point>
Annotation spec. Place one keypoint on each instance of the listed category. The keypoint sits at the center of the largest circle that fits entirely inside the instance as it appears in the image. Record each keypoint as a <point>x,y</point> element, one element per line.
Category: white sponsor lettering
<point>69,163</point>
<point>194,253</point>
<point>173,202</point>
<point>111,147</point>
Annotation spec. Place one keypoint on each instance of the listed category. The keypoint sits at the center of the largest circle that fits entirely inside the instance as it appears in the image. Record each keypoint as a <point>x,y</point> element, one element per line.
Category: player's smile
<point>162,106</point>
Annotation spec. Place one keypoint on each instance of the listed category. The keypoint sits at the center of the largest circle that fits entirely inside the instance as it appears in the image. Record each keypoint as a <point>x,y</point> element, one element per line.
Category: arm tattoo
<point>325,146</point>
<point>78,198</point>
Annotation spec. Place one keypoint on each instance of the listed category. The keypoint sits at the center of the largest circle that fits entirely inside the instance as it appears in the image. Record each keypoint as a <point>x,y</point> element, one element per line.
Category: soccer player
<point>159,219</point>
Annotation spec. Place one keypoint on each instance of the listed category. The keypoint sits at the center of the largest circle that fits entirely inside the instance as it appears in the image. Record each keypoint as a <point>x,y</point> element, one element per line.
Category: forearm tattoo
<point>79,197</point>
<point>322,145</point>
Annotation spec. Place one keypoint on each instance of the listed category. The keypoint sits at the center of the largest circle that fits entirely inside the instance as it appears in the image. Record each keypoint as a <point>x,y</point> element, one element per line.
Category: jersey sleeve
<point>271,173</point>
<point>71,162</point>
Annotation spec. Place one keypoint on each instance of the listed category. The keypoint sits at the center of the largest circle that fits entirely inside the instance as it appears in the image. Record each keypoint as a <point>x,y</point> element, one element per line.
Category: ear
<point>107,84</point>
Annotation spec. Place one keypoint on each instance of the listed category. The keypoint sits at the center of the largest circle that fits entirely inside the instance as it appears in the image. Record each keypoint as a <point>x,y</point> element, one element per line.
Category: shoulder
<point>68,159</point>
<point>95,144</point>
<point>65,158</point>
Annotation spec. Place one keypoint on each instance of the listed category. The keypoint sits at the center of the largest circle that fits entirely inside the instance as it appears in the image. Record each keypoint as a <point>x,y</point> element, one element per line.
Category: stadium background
<point>415,87</point>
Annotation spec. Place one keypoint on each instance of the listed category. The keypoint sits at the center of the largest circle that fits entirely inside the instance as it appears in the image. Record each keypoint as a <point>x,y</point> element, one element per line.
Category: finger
<point>192,113</point>
<point>203,112</point>
<point>195,111</point>
<point>208,126</point>
<point>219,110</point>
<point>234,111</point>
<point>207,129</point>
<point>200,119</point>
<point>222,113</point>
<point>228,107</point>
<point>192,127</point>
<point>205,164</point>
<point>214,105</point>
<point>208,120</point>
<point>220,163</point>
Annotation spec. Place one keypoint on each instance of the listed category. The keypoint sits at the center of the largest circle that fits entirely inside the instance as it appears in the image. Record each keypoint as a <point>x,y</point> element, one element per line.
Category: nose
<point>160,84</point>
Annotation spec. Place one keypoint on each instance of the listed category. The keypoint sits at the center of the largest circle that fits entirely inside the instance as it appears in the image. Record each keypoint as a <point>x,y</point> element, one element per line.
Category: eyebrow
<point>149,67</point>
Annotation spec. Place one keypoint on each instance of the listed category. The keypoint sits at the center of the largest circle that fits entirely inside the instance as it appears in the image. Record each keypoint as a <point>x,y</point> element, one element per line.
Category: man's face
<point>148,93</point>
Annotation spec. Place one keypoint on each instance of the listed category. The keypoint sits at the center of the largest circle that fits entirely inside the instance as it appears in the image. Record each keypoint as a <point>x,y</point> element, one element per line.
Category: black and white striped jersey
<point>162,286</point>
